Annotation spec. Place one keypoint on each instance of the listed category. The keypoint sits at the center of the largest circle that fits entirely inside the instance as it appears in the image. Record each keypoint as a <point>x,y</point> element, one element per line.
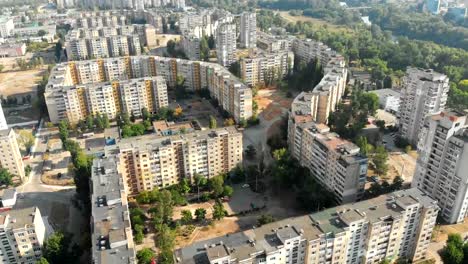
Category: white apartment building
<point>248,30</point>
<point>71,84</point>
<point>390,226</point>
<point>6,27</point>
<point>442,167</point>
<point>272,43</point>
<point>10,156</point>
<point>324,97</point>
<point>3,122</point>
<point>424,93</point>
<point>226,44</point>
<point>389,99</point>
<point>112,238</point>
<point>263,68</point>
<point>97,48</point>
<point>335,162</point>
<point>22,234</point>
<point>152,161</point>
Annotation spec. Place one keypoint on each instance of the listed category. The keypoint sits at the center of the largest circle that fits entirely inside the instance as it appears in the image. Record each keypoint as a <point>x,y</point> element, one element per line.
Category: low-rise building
<point>389,99</point>
<point>395,225</point>
<point>9,198</point>
<point>12,50</point>
<point>22,234</point>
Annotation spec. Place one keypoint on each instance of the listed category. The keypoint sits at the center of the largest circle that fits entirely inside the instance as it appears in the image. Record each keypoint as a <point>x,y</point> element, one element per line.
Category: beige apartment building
<point>262,68</point>
<point>137,81</point>
<point>391,226</point>
<point>335,162</point>
<point>441,170</point>
<point>10,156</point>
<point>22,234</point>
<point>152,161</point>
<point>324,97</point>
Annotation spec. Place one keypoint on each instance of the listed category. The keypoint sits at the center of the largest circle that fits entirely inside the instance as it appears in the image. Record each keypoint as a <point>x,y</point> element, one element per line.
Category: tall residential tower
<point>248,30</point>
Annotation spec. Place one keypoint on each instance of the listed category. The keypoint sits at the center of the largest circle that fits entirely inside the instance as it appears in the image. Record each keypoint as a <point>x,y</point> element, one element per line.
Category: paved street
<point>54,202</point>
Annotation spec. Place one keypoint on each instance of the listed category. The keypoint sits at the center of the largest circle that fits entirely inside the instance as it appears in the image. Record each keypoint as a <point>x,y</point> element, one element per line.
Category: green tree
<point>63,130</point>
<point>55,248</point>
<point>200,214</point>
<point>145,114</point>
<point>204,49</point>
<point>218,211</point>
<point>186,217</point>
<point>265,219</point>
<point>453,251</point>
<point>213,122</point>
<point>365,148</point>
<point>145,256</point>
<point>200,181</point>
<point>5,177</point>
<point>162,212</point>
<point>90,122</point>
<point>26,139</point>
<point>379,159</point>
<point>251,152</point>
<point>42,260</point>
<point>228,191</point>
<point>216,185</point>
<point>105,120</point>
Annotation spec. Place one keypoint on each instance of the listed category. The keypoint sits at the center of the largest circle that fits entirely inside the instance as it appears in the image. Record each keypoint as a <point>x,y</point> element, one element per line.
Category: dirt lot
<point>20,82</point>
<point>441,232</point>
<point>271,103</point>
<point>280,207</point>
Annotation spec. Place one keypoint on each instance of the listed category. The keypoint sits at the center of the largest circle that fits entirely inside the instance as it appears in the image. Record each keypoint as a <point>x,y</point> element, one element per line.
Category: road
<point>54,202</point>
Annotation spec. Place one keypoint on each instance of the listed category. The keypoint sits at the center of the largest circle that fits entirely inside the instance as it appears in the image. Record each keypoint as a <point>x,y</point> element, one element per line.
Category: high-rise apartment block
<point>433,6</point>
<point>424,93</point>
<point>150,162</point>
<point>272,43</point>
<point>10,157</point>
<point>104,42</point>
<point>191,46</point>
<point>6,27</point>
<point>226,44</point>
<point>264,68</point>
<point>3,122</point>
<point>73,85</point>
<point>442,167</point>
<point>112,238</point>
<point>22,233</point>
<point>394,225</point>
<point>324,97</point>
<point>335,162</point>
<point>248,30</point>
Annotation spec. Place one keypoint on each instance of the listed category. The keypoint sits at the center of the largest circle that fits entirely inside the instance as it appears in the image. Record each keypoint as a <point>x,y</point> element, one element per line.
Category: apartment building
<point>335,162</point>
<point>3,122</point>
<point>326,95</point>
<point>6,27</point>
<point>22,234</point>
<point>103,42</point>
<point>70,84</point>
<point>272,43</point>
<point>394,225</point>
<point>191,46</point>
<point>264,68</point>
<point>441,169</point>
<point>424,93</point>
<point>226,44</point>
<point>204,22</point>
<point>112,238</point>
<point>151,161</point>
<point>10,156</point>
<point>248,30</point>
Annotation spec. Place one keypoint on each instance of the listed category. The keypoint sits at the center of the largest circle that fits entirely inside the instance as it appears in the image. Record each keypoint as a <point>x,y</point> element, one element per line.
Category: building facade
<point>6,27</point>
<point>10,158</point>
<point>395,225</point>
<point>424,93</point>
<point>153,162</point>
<point>325,96</point>
<point>266,68</point>
<point>111,231</point>
<point>68,92</point>
<point>336,163</point>
<point>22,234</point>
<point>441,170</point>
<point>248,30</point>
<point>226,44</point>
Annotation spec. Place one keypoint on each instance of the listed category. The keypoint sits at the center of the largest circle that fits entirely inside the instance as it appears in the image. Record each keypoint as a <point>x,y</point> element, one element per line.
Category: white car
<point>245,186</point>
